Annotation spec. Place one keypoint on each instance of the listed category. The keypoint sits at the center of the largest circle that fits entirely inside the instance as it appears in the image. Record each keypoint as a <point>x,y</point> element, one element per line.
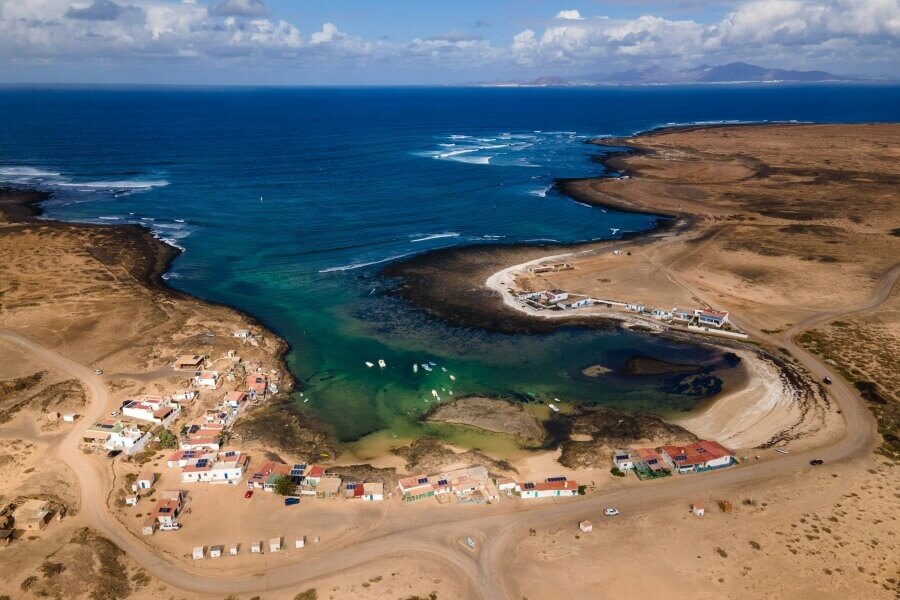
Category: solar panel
<point>423,480</point>
<point>202,462</point>
<point>351,486</point>
<point>230,453</point>
<point>164,509</point>
<point>529,486</point>
<point>296,472</point>
<point>442,482</point>
<point>551,479</point>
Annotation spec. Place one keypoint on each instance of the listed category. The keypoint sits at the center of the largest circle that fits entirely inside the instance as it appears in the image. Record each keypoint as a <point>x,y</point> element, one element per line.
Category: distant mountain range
<point>737,72</point>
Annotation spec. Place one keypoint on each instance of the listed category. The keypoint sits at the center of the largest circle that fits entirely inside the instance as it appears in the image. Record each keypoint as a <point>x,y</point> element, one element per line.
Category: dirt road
<point>483,571</point>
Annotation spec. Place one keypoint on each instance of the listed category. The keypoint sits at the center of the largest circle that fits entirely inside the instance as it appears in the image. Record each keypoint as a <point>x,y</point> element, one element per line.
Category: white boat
<point>305,400</point>
<point>433,364</point>
<point>434,393</point>
<point>426,367</point>
<point>370,364</point>
<point>415,368</point>
<point>381,363</point>
<point>453,378</point>
<point>450,392</point>
<point>781,450</point>
<point>444,369</point>
<point>554,408</point>
<point>615,230</point>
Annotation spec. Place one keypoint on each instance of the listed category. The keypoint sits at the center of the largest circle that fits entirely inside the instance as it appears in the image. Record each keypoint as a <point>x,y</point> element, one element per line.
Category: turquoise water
<point>287,202</point>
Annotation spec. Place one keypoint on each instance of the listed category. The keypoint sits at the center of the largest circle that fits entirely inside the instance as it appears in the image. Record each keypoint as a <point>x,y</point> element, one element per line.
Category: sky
<point>431,42</point>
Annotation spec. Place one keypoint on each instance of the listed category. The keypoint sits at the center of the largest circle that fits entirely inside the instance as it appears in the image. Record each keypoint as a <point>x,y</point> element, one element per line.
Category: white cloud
<point>569,15</point>
<point>786,33</point>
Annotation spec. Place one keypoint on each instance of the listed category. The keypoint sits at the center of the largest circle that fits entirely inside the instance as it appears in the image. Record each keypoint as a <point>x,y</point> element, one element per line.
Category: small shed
<point>256,548</point>
<point>233,551</point>
<point>586,526</point>
<point>131,500</point>
<point>275,544</point>
<point>697,510</point>
<point>198,553</point>
<point>299,543</point>
<point>215,552</point>
<point>145,480</point>
<point>70,417</point>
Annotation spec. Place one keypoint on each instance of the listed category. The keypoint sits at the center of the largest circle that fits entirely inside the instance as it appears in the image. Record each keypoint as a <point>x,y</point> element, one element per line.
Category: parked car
<point>114,413</point>
<point>248,494</point>
<point>611,512</point>
<point>172,527</point>
<point>816,462</point>
<point>827,380</point>
<point>98,372</point>
<point>291,501</point>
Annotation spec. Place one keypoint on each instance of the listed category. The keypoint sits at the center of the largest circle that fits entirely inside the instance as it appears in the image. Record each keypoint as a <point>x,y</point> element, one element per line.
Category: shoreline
<point>22,207</point>
<point>755,415</point>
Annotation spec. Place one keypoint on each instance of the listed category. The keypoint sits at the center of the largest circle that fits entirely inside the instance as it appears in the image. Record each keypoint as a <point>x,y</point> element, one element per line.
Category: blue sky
<point>430,42</point>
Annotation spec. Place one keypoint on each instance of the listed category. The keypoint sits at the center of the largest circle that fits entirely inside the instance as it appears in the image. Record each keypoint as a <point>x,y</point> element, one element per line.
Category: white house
<point>130,440</point>
<point>576,302</point>
<point>243,334</point>
<point>373,492</point>
<point>185,396</point>
<point>144,481</point>
<point>199,553</point>
<point>714,318</point>
<point>553,487</point>
<point>275,544</point>
<point>623,460</point>
<point>207,379</point>
<point>154,409</point>
<point>661,315</point>
<point>227,467</point>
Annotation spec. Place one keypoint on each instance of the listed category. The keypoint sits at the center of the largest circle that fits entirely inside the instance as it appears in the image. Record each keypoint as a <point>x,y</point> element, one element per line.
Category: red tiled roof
<point>697,453</point>
<point>315,471</point>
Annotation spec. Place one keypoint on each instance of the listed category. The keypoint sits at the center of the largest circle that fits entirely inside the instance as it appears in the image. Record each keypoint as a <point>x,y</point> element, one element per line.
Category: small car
<point>816,462</point>
<point>114,413</point>
<point>611,512</point>
<point>827,381</point>
<point>248,494</point>
<point>291,501</point>
<point>98,371</point>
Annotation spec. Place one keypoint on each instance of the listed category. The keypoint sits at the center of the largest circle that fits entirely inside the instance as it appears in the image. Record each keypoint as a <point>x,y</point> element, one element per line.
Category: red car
<point>248,493</point>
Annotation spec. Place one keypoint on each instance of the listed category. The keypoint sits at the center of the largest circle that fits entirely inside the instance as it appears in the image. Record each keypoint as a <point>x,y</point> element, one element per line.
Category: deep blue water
<point>288,200</point>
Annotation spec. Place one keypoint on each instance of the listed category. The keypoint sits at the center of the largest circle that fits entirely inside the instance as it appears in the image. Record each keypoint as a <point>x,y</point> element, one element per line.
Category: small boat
<point>305,400</point>
<point>381,363</point>
<point>554,408</point>
<point>615,230</point>
<point>781,450</point>
<point>453,378</point>
<point>415,368</point>
<point>433,364</point>
<point>444,369</point>
<point>434,393</point>
<point>426,367</point>
<point>450,392</point>
<point>370,364</point>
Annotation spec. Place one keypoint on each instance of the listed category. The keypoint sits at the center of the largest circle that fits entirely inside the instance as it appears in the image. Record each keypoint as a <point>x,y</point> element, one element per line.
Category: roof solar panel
<point>529,486</point>
<point>351,486</point>
<point>556,479</point>
<point>442,482</point>
<point>423,480</point>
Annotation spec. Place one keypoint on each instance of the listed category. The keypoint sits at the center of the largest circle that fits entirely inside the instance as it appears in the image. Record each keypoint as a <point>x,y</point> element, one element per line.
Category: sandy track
<point>484,571</point>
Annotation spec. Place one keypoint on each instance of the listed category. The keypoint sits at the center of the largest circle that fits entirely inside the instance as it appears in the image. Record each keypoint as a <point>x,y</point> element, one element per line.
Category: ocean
<point>287,202</point>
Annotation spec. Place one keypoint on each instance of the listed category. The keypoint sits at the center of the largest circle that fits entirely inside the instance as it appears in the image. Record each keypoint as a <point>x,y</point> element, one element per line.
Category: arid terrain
<point>790,228</point>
